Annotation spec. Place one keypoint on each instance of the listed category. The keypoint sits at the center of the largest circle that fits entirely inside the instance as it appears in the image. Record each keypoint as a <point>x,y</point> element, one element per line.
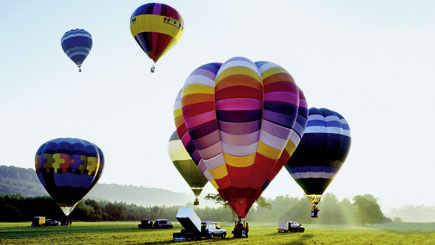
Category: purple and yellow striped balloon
<point>240,117</point>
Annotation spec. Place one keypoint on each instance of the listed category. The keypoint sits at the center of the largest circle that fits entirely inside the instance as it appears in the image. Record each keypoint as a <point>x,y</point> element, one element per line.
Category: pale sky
<point>371,61</point>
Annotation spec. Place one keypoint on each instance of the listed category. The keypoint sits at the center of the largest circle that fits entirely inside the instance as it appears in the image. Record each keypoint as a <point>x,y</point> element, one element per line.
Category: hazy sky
<point>371,61</point>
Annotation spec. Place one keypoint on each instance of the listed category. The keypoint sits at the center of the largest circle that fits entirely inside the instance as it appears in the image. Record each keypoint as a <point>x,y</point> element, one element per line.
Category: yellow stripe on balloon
<point>178,113</point>
<point>197,89</point>
<point>214,184</point>
<point>155,23</point>
<point>239,161</point>
<point>238,70</point>
<point>219,172</point>
<point>273,71</point>
<point>268,151</point>
<point>290,147</point>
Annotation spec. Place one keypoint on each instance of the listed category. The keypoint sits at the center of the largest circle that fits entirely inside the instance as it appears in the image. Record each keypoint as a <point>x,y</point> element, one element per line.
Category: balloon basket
<point>153,68</point>
<point>196,202</point>
<point>315,212</point>
<point>241,228</point>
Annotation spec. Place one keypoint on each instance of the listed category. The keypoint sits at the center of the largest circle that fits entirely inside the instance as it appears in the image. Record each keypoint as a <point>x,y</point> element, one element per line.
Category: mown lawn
<point>260,233</point>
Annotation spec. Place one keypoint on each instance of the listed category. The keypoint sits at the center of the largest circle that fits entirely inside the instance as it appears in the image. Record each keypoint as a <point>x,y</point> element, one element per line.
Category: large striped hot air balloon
<point>240,116</point>
<point>68,168</point>
<point>186,166</point>
<point>320,154</point>
<point>77,44</point>
<point>157,28</point>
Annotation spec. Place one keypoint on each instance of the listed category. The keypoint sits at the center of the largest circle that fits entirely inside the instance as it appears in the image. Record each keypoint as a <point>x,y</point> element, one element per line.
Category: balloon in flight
<point>240,116</point>
<point>68,168</point>
<point>320,154</point>
<point>186,166</point>
<point>77,44</point>
<point>156,27</point>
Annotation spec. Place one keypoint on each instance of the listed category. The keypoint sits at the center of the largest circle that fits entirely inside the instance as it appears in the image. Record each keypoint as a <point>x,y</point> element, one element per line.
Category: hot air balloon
<point>77,44</point>
<point>186,166</point>
<point>68,168</point>
<point>157,28</point>
<point>240,116</point>
<point>320,154</point>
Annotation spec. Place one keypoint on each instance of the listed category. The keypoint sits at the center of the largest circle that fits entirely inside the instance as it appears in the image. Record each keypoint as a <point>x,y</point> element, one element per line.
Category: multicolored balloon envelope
<point>239,117</point>
<point>321,152</point>
<point>77,44</point>
<point>68,168</point>
<point>186,166</point>
<point>157,28</point>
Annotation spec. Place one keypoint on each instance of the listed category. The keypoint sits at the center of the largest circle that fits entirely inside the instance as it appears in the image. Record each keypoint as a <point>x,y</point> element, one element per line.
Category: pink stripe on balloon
<point>200,119</point>
<point>240,139</point>
<point>290,98</point>
<point>211,151</point>
<point>239,104</point>
<point>239,127</point>
<point>186,139</point>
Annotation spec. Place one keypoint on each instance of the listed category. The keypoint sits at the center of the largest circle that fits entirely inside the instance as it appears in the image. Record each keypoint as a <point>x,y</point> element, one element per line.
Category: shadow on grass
<point>302,237</point>
<point>228,239</point>
<point>301,240</point>
<point>28,232</point>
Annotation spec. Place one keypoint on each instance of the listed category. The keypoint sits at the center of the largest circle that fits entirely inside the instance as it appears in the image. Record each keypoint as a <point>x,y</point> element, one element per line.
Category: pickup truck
<point>194,229</point>
<point>290,226</point>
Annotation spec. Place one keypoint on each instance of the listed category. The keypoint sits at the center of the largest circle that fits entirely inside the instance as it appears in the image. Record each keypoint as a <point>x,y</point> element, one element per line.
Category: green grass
<point>260,233</point>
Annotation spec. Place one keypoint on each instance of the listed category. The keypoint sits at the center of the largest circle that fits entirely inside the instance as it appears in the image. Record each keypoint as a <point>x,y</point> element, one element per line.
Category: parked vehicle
<point>290,226</point>
<point>51,222</point>
<point>191,225</point>
<point>145,224</point>
<point>212,229</point>
<point>162,224</point>
<point>194,229</point>
<point>38,221</point>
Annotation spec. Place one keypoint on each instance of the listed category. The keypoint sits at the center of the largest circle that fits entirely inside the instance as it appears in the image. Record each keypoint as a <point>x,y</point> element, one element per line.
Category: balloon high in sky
<point>156,28</point>
<point>321,153</point>
<point>186,166</point>
<point>240,116</point>
<point>68,168</point>
<point>77,44</point>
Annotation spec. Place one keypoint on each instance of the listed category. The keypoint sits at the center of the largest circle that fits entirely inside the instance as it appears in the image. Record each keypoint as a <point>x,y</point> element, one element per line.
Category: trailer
<point>194,229</point>
<point>38,221</point>
<point>191,225</point>
<point>290,226</point>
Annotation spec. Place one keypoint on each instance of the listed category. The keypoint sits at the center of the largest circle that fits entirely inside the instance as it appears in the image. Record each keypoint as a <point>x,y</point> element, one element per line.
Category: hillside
<point>14,180</point>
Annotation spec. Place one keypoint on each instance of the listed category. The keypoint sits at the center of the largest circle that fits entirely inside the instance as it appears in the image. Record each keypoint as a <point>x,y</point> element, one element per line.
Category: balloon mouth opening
<point>66,208</point>
<point>314,198</point>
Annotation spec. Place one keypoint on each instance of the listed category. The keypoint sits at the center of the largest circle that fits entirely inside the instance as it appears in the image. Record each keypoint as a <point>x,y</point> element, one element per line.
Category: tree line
<point>363,209</point>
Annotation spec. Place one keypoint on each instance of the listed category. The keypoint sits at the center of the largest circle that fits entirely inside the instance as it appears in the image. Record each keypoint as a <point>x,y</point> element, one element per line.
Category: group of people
<point>240,229</point>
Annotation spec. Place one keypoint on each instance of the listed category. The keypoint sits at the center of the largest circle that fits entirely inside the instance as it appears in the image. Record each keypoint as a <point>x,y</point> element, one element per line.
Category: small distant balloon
<point>68,168</point>
<point>157,28</point>
<point>77,44</point>
<point>320,154</point>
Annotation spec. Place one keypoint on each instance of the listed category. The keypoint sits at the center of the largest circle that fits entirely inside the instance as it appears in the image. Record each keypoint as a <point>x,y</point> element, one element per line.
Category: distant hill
<point>14,180</point>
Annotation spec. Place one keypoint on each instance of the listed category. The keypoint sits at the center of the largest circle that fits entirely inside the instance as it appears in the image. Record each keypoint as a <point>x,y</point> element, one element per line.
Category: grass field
<point>260,233</point>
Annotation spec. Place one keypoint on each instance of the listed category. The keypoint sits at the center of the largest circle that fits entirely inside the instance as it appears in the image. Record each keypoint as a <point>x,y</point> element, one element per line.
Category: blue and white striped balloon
<point>321,152</point>
<point>77,44</point>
